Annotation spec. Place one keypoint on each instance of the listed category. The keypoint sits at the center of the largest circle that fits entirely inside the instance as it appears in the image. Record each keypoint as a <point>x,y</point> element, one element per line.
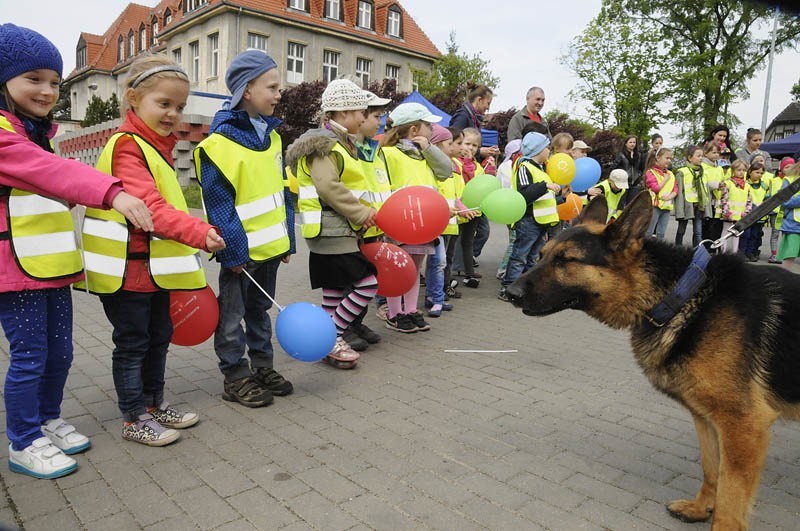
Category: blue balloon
<point>587,173</point>
<point>305,331</point>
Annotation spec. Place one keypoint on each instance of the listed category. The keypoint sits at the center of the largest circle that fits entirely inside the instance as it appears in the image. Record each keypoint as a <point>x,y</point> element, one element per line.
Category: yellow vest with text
<point>667,182</point>
<point>544,208</point>
<point>378,187</point>
<point>308,202</point>
<point>41,232</point>
<point>258,183</point>
<point>612,199</point>
<point>172,265</point>
<point>737,200</point>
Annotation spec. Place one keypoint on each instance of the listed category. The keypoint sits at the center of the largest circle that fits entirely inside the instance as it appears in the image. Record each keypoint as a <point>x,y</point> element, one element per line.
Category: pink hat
<point>440,134</point>
<point>786,161</point>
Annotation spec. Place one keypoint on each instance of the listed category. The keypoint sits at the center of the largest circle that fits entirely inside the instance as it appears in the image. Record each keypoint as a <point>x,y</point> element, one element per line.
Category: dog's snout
<point>514,292</point>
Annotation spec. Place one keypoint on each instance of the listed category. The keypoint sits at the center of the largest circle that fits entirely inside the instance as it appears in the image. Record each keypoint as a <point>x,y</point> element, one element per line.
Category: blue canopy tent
<point>489,138</point>
<point>780,148</point>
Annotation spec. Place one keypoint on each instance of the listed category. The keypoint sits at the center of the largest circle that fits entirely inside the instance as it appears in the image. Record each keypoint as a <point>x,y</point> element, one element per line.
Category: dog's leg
<point>743,444</point>
<point>700,508</point>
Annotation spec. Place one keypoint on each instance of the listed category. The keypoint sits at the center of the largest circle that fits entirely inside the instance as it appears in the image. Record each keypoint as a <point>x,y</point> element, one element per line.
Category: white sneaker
<point>65,437</point>
<point>41,460</point>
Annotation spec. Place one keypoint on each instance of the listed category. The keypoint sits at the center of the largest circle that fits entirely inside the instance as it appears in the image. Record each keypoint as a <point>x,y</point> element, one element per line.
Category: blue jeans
<point>434,273</point>
<point>142,332</point>
<point>529,240</point>
<point>481,236</point>
<point>38,326</point>
<point>659,223</point>
<point>750,241</point>
<point>239,299</point>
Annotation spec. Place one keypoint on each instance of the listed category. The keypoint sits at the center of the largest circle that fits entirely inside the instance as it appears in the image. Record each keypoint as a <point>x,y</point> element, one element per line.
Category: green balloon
<point>478,188</point>
<point>504,206</point>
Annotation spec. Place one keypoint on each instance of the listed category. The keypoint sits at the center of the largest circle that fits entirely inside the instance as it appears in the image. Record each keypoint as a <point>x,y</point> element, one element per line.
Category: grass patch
<point>193,195</point>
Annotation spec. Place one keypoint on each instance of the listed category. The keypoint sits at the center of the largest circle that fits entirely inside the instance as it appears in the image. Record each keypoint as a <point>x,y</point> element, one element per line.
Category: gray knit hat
<point>23,50</point>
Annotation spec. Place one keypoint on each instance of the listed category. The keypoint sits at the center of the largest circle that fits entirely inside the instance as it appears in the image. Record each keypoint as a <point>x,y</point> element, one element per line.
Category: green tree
<point>621,70</point>
<point>716,47</point>
<point>444,85</point>
<point>112,107</point>
<point>99,111</point>
<point>795,92</point>
<point>63,107</point>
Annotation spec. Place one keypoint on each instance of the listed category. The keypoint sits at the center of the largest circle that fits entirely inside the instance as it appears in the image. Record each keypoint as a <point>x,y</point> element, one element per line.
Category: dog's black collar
<point>685,289</point>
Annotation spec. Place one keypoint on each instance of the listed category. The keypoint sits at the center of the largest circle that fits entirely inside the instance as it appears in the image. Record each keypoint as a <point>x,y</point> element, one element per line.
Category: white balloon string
<point>280,308</point>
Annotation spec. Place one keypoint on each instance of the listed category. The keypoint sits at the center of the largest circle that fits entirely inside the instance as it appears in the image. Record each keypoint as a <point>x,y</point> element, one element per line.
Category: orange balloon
<point>571,208</point>
<point>194,316</point>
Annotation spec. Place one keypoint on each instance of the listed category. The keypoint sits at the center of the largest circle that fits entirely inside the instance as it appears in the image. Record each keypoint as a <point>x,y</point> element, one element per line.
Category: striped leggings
<point>345,305</point>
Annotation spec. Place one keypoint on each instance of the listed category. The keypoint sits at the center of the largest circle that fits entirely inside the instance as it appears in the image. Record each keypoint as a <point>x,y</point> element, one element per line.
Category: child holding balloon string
<point>335,208</point>
<point>469,231</point>
<point>412,160</point>
<point>132,270</point>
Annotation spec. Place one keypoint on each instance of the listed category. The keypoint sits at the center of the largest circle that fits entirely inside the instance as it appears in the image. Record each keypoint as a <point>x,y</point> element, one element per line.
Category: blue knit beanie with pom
<point>23,50</point>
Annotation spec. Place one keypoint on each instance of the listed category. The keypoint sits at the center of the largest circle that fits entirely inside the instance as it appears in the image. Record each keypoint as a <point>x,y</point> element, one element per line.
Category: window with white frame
<point>120,49</point>
<point>142,38</point>
<point>330,65</point>
<point>333,9</point>
<point>365,10</point>
<point>131,44</point>
<point>167,17</point>
<point>213,54</point>
<point>393,72</point>
<point>154,30</point>
<point>394,19</point>
<point>191,5</point>
<point>363,70</point>
<point>257,41</point>
<point>80,58</point>
<point>177,56</point>
<point>300,5</point>
<point>294,62</point>
<point>194,54</point>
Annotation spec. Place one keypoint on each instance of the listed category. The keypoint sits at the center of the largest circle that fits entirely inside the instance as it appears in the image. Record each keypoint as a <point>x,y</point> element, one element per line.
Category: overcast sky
<point>522,39</point>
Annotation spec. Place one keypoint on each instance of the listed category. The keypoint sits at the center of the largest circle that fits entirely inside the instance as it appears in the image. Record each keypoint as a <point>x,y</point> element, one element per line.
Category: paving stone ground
<point>563,434</point>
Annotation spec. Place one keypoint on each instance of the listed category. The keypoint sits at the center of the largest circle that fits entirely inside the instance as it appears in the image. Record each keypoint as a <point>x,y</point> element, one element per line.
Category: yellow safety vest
<point>612,199</point>
<point>258,183</point>
<point>41,232</point>
<point>449,188</point>
<point>737,200</point>
<point>689,190</point>
<point>775,184</point>
<point>544,208</point>
<point>711,174</point>
<point>378,187</point>
<point>667,182</point>
<point>308,203</point>
<point>407,171</point>
<point>172,265</point>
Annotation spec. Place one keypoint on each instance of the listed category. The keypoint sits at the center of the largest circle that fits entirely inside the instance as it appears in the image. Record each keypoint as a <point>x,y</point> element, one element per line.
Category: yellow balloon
<point>293,187</point>
<point>561,168</point>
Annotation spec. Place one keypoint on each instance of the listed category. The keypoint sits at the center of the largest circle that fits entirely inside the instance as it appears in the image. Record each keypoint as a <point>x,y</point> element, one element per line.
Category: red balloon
<point>414,215</point>
<point>396,270</point>
<point>194,314</point>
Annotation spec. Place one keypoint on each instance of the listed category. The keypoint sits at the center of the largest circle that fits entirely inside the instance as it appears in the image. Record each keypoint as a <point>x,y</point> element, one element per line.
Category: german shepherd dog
<point>731,355</point>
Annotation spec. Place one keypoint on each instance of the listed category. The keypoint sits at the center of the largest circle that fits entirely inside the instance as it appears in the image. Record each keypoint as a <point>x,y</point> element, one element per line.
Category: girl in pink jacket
<point>39,258</point>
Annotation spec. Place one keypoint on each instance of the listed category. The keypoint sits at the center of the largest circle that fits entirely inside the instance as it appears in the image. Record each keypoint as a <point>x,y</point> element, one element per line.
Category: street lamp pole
<point>769,73</point>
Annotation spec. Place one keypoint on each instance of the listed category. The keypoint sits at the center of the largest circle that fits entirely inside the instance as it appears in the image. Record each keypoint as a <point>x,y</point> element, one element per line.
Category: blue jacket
<point>219,195</point>
<point>790,221</point>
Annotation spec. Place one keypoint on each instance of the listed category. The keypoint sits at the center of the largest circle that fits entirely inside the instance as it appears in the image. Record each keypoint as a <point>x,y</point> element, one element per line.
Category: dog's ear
<point>595,212</point>
<point>630,230</point>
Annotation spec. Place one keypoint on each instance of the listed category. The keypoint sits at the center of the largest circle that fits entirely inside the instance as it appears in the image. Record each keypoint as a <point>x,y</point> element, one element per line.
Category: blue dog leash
<point>686,288</point>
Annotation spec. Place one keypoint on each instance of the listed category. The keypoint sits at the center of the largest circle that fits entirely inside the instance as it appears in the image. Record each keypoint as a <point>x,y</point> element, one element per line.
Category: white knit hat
<point>344,95</point>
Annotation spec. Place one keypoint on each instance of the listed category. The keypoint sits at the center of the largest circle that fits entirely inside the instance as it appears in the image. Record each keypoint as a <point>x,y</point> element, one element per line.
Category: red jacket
<point>26,166</point>
<point>129,164</point>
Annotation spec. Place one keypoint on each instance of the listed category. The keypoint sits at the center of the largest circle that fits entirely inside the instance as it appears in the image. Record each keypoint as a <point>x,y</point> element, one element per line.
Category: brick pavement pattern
<point>565,434</point>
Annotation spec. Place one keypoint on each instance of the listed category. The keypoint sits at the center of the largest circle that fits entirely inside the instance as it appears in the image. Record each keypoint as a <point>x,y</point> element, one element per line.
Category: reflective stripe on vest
<point>172,265</point>
<point>258,183</point>
<point>308,202</point>
<point>41,232</point>
<point>737,200</point>
<point>407,171</point>
<point>544,208</point>
<point>377,179</point>
<point>667,182</point>
<point>612,199</point>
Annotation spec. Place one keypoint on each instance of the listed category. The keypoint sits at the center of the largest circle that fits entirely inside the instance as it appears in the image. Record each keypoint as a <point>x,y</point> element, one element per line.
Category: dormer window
<point>167,17</point>
<point>120,49</point>
<point>154,31</point>
<point>142,37</point>
<point>191,5</point>
<point>366,12</point>
<point>80,57</point>
<point>333,9</point>
<point>131,44</point>
<point>300,5</point>
<point>394,22</point>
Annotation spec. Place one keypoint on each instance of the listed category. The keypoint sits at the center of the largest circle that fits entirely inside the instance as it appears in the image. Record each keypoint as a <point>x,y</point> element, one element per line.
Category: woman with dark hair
<point>630,159</point>
<point>721,135</point>
<point>470,114</point>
